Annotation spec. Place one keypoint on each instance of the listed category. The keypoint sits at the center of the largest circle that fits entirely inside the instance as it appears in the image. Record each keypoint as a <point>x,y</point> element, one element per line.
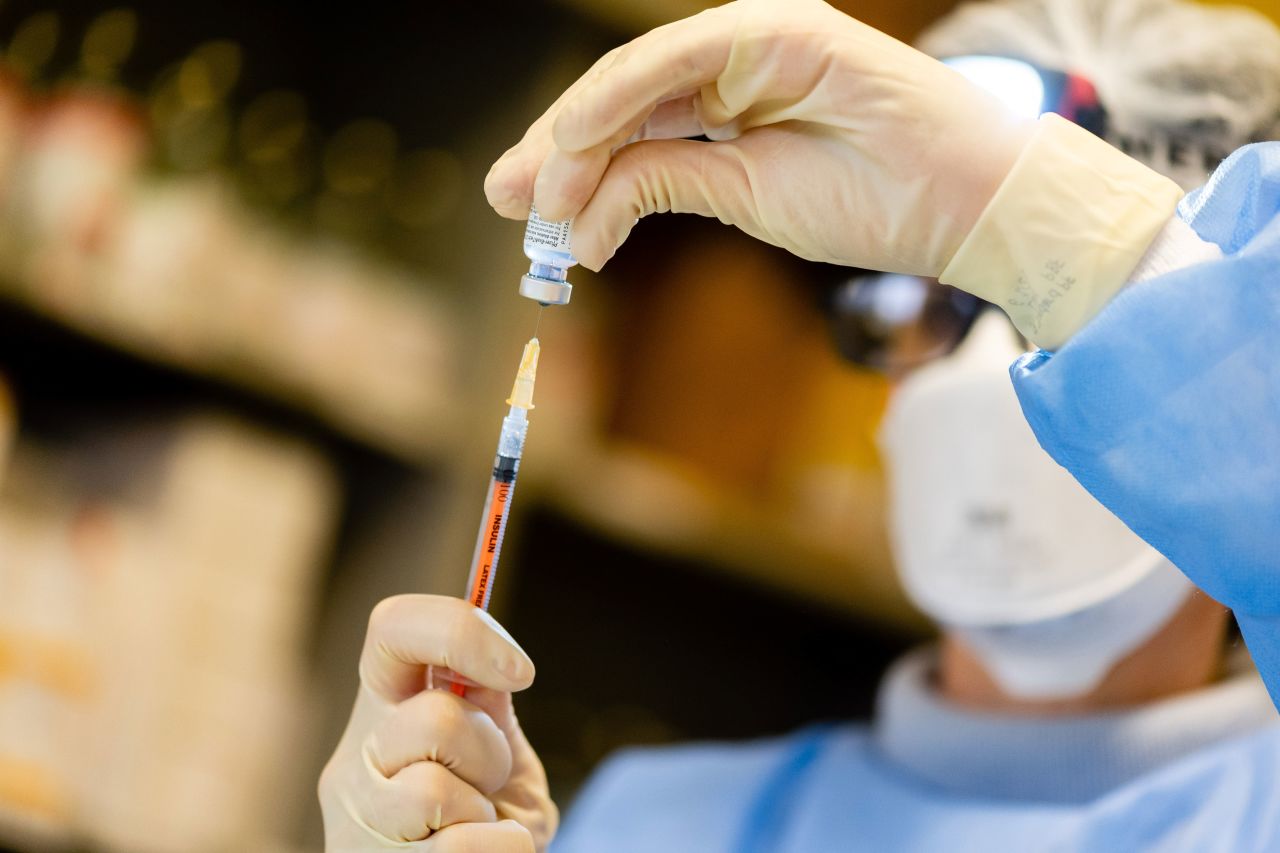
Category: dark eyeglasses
<point>895,323</point>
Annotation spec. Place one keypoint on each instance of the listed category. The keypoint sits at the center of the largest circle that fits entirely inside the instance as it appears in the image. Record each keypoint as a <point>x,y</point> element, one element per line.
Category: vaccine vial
<point>546,244</point>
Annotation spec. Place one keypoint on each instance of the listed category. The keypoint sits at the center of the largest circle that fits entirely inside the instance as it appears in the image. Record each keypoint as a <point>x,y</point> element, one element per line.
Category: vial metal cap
<point>545,291</point>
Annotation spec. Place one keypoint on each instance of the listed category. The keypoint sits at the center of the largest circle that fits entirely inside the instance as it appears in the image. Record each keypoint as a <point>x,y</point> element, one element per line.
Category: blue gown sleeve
<point>1166,407</point>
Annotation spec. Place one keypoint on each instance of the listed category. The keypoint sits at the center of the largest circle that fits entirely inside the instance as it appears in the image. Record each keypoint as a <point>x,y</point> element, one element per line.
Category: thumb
<point>664,176</point>
<point>408,633</point>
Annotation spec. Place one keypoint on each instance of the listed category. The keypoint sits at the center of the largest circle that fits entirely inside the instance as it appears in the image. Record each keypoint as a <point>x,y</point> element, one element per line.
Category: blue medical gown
<point>830,790</point>
<point>1166,407</point>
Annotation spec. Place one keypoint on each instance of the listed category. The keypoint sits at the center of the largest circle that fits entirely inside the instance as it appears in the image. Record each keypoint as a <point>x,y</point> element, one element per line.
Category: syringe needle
<point>537,323</point>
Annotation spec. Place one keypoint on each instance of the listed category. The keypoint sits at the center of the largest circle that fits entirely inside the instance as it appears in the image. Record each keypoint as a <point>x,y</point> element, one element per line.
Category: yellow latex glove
<point>425,770</point>
<point>834,141</point>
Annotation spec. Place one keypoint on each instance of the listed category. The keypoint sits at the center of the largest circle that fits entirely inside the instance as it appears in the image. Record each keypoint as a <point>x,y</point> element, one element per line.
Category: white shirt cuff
<point>1175,247</point>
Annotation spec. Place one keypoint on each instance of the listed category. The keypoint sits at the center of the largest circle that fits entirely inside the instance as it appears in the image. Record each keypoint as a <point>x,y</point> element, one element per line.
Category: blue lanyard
<point>773,803</point>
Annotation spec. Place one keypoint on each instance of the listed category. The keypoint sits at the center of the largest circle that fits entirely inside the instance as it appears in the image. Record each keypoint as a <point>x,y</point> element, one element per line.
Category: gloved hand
<point>422,769</point>
<point>835,141</point>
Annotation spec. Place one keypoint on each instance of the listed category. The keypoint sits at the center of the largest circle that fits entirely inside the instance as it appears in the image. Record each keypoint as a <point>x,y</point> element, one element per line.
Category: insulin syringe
<point>506,464</point>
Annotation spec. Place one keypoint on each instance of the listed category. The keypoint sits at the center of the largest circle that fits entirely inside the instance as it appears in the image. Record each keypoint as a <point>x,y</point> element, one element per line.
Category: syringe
<point>506,464</point>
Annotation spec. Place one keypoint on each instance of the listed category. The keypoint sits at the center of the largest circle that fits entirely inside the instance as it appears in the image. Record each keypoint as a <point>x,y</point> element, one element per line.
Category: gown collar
<point>1066,759</point>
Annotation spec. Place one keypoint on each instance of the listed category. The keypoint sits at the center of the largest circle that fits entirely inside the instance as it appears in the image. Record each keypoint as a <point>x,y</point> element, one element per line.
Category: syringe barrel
<point>515,428</point>
<point>493,527</point>
<point>497,504</point>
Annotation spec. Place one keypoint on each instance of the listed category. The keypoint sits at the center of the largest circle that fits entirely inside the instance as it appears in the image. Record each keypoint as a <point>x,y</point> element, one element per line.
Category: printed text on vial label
<point>553,235</point>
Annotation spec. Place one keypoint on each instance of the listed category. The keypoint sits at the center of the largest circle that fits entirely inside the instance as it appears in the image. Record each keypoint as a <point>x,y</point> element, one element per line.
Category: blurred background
<point>256,327</point>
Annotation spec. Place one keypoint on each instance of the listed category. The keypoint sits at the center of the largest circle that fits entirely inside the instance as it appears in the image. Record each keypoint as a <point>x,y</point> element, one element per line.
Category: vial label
<point>552,235</point>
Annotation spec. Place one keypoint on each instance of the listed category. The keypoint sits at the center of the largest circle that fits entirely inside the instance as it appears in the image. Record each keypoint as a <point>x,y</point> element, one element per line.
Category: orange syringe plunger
<point>506,464</point>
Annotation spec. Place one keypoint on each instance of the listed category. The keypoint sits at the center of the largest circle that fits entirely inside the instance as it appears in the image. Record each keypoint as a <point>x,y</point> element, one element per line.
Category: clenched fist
<point>420,768</point>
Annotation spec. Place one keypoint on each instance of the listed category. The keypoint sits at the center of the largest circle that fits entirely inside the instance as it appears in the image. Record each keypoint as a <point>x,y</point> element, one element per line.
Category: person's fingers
<point>672,61</point>
<point>409,632</point>
<point>505,836</point>
<point>421,799</point>
<point>566,150</point>
<point>679,176</point>
<point>509,184</point>
<point>438,726</point>
<point>497,704</point>
<point>525,797</point>
<point>675,118</point>
<point>567,180</point>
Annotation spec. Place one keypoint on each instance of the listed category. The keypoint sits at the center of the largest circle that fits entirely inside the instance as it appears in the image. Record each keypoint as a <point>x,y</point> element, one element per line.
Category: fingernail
<point>499,197</point>
<point>516,668</point>
<point>515,665</point>
<point>550,204</point>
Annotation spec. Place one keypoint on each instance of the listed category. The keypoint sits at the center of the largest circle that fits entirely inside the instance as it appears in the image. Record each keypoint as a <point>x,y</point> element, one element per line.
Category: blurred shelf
<point>901,20</point>
<point>411,436</point>
<point>188,279</point>
<point>838,559</point>
<point>182,272</point>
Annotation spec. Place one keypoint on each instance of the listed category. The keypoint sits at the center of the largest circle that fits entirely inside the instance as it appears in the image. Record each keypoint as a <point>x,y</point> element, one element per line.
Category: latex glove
<point>421,769</point>
<point>836,142</point>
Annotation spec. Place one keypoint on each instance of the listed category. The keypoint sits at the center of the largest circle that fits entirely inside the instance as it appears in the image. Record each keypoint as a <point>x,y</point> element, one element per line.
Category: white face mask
<point>986,528</point>
<point>1071,655</point>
